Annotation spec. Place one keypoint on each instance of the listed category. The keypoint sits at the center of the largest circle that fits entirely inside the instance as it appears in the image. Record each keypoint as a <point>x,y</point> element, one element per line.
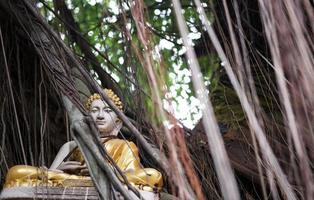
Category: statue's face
<point>103,116</point>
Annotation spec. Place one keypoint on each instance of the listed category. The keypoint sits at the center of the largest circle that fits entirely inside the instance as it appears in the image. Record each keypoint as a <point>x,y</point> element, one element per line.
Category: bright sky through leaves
<point>179,99</point>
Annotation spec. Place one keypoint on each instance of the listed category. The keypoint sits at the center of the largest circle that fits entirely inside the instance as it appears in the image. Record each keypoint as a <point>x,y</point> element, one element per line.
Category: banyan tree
<point>250,64</point>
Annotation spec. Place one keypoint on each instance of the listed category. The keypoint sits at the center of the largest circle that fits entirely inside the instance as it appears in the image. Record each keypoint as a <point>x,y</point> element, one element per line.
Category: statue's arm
<point>64,151</point>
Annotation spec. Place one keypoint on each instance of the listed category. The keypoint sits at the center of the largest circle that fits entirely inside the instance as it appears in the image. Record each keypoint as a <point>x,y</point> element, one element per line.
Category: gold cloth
<point>29,176</point>
<point>124,153</point>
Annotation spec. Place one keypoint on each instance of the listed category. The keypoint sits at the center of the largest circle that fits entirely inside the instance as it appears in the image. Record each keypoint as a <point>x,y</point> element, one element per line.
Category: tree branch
<point>75,36</point>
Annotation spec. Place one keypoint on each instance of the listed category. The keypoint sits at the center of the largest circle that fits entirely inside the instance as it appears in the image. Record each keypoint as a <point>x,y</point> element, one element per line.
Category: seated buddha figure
<point>69,168</point>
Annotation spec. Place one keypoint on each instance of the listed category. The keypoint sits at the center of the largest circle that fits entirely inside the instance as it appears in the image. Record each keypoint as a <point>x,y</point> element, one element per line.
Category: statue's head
<point>105,118</point>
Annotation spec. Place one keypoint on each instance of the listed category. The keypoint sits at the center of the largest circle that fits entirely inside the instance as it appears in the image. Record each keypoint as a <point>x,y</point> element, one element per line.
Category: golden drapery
<point>124,153</point>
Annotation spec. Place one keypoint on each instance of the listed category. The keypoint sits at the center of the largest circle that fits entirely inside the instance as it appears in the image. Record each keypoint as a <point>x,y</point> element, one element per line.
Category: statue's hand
<point>72,167</point>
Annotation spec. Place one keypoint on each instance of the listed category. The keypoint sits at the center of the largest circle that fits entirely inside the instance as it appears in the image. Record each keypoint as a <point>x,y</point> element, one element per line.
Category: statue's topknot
<point>113,97</point>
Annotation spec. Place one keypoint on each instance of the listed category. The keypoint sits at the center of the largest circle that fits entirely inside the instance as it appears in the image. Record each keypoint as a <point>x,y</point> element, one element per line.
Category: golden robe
<point>124,153</point>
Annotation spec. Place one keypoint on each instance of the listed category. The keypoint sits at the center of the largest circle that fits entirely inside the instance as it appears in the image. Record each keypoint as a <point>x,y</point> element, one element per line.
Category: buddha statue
<point>68,168</point>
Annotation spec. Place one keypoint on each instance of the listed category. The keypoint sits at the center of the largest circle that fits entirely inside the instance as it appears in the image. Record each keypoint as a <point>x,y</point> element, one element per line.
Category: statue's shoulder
<point>120,142</point>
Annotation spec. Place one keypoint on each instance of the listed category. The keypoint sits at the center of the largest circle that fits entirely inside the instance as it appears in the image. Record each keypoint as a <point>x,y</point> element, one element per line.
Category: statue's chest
<point>117,149</point>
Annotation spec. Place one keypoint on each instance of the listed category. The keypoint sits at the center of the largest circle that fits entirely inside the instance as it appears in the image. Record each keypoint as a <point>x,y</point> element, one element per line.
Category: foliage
<point>105,35</point>
<point>105,25</point>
